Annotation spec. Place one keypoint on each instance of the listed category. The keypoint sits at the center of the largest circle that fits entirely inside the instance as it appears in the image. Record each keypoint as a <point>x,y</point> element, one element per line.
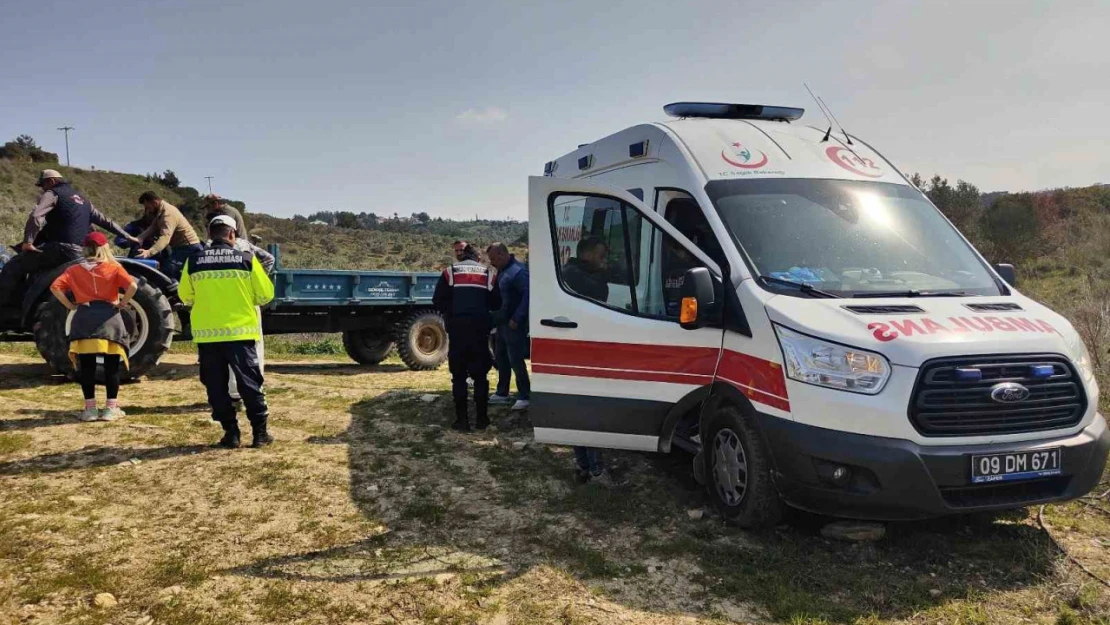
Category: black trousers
<point>86,373</point>
<point>15,271</point>
<point>241,358</point>
<point>469,356</point>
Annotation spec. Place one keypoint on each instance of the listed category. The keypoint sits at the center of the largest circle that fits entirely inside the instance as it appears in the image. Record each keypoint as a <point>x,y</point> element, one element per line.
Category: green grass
<point>12,442</point>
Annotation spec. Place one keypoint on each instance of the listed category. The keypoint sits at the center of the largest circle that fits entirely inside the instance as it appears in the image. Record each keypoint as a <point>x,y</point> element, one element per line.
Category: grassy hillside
<point>114,194</point>
<point>303,245</point>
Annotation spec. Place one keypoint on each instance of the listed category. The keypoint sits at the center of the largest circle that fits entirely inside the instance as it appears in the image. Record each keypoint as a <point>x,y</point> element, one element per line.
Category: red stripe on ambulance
<point>628,356</point>
<point>760,380</point>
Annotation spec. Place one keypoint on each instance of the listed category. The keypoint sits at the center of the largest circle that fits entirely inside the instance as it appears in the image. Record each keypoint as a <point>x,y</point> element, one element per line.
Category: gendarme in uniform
<point>224,285</point>
<point>465,294</point>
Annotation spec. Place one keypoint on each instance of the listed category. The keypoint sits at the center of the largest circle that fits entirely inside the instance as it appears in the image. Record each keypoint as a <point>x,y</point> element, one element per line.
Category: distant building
<point>318,223</point>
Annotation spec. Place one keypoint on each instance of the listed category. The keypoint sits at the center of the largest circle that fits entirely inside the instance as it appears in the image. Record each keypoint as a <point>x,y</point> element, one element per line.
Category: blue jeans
<point>511,348</point>
<point>588,459</point>
<point>175,263</point>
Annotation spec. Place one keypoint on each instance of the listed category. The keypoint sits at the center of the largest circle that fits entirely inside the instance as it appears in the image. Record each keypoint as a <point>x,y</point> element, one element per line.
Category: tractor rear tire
<point>149,320</point>
<point>367,347</point>
<point>422,340</point>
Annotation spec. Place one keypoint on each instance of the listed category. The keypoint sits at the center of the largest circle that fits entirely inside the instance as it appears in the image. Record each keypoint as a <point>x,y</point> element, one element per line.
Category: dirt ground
<point>369,510</point>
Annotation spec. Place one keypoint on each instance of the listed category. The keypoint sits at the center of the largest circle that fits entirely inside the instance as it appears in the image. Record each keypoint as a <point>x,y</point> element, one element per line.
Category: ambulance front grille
<point>945,405</point>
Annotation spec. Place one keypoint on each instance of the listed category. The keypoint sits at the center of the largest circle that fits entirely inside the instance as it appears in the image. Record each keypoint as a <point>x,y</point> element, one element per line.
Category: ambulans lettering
<point>926,326</point>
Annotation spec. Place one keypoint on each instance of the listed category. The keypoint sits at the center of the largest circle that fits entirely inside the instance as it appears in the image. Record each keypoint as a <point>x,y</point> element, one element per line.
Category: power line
<point>209,179</point>
<point>66,129</point>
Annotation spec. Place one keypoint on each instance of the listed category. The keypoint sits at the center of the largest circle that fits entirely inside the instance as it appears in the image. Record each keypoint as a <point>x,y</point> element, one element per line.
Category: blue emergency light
<point>722,110</point>
<point>1042,371</point>
<point>968,374</point>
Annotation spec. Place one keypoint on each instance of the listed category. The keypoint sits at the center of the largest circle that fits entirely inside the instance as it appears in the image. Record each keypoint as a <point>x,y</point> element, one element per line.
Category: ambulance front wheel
<point>737,471</point>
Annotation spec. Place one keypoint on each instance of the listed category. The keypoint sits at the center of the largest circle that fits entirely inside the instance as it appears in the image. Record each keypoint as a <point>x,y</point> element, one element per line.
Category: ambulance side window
<point>666,269</point>
<point>598,243</point>
<point>591,240</point>
<point>687,217</point>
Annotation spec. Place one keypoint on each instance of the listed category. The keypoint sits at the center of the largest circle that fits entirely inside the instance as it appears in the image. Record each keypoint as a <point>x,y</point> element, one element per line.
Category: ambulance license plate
<point>1019,465</point>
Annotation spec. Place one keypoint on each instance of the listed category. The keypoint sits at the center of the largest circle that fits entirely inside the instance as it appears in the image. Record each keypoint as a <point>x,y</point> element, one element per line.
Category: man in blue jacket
<point>512,326</point>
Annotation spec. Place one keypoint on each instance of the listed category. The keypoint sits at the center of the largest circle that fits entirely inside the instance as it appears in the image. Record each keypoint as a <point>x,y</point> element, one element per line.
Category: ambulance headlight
<point>821,363</point>
<point>1083,360</point>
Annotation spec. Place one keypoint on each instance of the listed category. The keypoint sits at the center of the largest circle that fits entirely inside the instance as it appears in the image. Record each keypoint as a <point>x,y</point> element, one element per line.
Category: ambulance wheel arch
<point>724,417</point>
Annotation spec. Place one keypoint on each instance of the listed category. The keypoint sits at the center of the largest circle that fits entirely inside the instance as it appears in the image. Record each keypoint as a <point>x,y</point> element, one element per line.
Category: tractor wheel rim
<point>730,467</point>
<point>429,339</point>
<point>142,327</point>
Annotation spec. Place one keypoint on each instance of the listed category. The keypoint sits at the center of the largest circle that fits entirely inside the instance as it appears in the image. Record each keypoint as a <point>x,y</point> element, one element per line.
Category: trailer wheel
<point>737,469</point>
<point>422,340</point>
<point>367,347</point>
<point>149,321</point>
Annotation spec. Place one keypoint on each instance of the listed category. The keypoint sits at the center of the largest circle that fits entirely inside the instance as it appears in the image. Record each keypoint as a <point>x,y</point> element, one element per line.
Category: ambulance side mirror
<point>1007,272</point>
<point>699,306</point>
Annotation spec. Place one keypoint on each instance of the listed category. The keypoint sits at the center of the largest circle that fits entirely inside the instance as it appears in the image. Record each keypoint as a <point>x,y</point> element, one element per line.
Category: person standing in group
<point>53,234</point>
<point>169,228</point>
<point>460,248</point>
<point>214,206</point>
<point>585,274</point>
<point>224,286</point>
<point>511,344</point>
<point>466,294</point>
<point>97,329</point>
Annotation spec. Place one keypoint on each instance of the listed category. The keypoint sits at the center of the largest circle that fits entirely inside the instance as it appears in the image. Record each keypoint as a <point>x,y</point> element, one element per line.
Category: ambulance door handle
<point>558,322</point>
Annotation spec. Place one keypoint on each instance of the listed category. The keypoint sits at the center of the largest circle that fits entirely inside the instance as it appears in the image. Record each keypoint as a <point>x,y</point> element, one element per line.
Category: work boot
<point>231,435</point>
<point>261,435</point>
<point>482,422</point>
<point>462,420</point>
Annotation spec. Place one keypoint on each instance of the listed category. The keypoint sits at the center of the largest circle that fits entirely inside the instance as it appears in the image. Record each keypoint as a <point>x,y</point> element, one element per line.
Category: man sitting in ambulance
<point>586,272</point>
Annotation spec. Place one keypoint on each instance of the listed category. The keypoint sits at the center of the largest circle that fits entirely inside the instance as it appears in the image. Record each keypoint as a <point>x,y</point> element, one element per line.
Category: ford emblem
<point>1009,393</point>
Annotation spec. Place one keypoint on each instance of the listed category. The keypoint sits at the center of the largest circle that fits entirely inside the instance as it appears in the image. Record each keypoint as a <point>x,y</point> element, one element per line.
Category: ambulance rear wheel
<point>737,471</point>
<point>422,340</point>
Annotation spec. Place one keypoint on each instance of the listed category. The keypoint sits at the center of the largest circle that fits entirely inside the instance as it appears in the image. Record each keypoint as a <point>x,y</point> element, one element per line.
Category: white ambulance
<point>779,300</point>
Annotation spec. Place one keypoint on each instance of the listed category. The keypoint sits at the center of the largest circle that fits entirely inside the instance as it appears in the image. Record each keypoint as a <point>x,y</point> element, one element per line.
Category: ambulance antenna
<point>822,107</point>
<point>837,123</point>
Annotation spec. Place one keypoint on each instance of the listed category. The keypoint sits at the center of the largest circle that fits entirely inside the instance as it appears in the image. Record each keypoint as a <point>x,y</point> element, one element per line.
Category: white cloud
<point>482,117</point>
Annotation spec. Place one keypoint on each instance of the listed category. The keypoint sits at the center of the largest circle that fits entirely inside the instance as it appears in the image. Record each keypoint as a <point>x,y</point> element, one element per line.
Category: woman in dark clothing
<point>97,329</point>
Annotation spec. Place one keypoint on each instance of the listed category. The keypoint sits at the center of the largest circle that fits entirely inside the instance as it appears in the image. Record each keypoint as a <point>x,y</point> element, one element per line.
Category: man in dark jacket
<point>585,273</point>
<point>53,235</point>
<point>466,294</point>
<point>512,327</point>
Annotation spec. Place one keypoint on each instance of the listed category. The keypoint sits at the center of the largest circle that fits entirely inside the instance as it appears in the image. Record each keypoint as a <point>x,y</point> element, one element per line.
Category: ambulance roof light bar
<point>721,110</point>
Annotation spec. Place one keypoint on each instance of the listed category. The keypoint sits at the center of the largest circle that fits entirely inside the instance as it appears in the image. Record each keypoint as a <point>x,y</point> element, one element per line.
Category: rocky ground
<point>370,510</point>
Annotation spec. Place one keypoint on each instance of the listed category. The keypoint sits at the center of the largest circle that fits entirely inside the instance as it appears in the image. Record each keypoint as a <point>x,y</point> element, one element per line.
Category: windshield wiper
<point>912,293</point>
<point>801,286</point>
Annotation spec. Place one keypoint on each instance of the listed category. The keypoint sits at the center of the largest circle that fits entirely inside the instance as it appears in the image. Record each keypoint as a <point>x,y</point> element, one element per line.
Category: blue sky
<point>447,107</point>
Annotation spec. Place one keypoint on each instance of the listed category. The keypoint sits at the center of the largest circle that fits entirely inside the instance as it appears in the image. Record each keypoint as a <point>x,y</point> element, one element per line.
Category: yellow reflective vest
<point>224,285</point>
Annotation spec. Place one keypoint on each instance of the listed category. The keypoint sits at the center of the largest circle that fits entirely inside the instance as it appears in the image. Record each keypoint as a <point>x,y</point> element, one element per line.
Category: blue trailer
<point>375,311</point>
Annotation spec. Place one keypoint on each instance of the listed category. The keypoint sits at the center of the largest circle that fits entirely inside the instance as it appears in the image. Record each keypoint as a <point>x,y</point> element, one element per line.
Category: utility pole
<point>66,129</point>
<point>209,179</point>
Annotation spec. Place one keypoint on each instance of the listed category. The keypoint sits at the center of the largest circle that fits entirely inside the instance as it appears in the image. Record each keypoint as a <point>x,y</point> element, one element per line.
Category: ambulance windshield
<point>848,238</point>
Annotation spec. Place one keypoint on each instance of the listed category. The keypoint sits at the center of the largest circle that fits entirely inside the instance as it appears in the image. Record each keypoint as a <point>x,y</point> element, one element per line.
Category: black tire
<point>422,340</point>
<point>149,309</point>
<point>750,500</point>
<point>367,347</point>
